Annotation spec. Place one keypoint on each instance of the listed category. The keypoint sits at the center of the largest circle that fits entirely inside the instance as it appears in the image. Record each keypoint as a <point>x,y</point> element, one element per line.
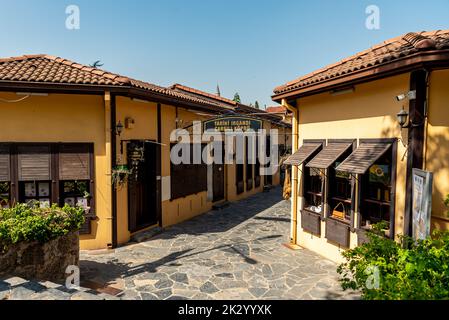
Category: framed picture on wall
<point>422,203</point>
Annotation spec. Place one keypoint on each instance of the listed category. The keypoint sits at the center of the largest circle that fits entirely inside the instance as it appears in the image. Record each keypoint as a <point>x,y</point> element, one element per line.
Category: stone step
<point>220,206</point>
<point>15,288</point>
<point>146,235</point>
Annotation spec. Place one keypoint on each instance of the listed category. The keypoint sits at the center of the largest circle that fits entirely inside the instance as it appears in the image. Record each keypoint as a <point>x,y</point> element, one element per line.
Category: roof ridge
<point>203,93</point>
<point>399,46</point>
<point>22,57</point>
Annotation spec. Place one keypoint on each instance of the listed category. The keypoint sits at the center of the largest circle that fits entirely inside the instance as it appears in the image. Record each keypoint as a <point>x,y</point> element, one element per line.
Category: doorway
<point>218,178</point>
<point>218,182</point>
<point>142,186</point>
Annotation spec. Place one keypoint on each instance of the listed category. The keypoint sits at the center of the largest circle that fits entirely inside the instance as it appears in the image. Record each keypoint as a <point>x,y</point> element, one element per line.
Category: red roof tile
<point>276,109</point>
<point>383,53</point>
<point>43,68</point>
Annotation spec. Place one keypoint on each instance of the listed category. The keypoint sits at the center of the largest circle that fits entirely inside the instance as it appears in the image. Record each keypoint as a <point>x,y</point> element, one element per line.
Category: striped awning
<point>363,157</point>
<point>326,157</point>
<point>304,153</point>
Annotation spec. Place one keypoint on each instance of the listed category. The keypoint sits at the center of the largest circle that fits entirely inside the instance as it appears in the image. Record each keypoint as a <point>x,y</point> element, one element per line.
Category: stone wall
<point>48,261</point>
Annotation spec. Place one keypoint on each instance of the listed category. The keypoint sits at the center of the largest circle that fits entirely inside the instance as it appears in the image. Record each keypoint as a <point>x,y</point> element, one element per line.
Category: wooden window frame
<point>54,172</point>
<point>248,167</point>
<point>394,148</point>
<point>303,176</point>
<point>174,193</point>
<point>353,181</point>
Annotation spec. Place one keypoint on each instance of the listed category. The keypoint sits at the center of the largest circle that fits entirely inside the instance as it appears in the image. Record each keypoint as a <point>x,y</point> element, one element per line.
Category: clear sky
<point>246,46</point>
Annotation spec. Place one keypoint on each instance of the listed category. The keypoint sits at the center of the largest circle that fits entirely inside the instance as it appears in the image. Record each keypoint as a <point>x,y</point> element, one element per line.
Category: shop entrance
<point>142,185</point>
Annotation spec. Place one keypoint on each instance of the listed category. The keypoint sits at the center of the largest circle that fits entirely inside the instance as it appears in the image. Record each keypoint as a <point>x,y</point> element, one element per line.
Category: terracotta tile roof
<point>384,53</point>
<point>54,70</point>
<point>184,88</point>
<point>276,109</point>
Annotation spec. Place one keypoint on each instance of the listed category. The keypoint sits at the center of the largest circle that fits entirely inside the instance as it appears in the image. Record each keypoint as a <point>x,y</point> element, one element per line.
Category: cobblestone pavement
<point>15,288</point>
<point>234,253</point>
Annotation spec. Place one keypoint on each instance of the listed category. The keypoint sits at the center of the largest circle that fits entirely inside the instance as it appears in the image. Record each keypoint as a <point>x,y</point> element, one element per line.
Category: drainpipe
<point>113,164</point>
<point>295,142</point>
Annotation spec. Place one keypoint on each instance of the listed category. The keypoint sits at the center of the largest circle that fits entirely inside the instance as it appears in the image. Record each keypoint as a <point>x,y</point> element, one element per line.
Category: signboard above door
<point>232,123</point>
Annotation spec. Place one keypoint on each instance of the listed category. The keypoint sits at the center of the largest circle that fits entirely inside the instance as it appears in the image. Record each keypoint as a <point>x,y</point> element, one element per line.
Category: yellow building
<point>355,148</point>
<point>71,135</point>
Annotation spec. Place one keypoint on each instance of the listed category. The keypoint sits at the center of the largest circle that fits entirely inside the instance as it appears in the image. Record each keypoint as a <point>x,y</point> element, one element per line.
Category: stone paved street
<point>234,253</point>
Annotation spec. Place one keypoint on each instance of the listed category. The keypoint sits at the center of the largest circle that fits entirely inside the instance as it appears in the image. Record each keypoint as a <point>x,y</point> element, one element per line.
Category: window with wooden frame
<point>257,166</point>
<point>268,177</point>
<point>76,179</point>
<point>187,179</point>
<point>42,172</point>
<point>5,176</point>
<point>376,190</point>
<point>250,151</point>
<point>313,180</point>
<point>5,194</point>
<point>340,187</point>
<point>35,174</point>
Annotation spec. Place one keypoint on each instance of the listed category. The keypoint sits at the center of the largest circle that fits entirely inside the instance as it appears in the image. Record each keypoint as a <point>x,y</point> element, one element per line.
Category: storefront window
<point>35,191</point>
<point>313,189</point>
<point>5,194</point>
<point>75,193</point>
<point>376,190</point>
<point>339,193</point>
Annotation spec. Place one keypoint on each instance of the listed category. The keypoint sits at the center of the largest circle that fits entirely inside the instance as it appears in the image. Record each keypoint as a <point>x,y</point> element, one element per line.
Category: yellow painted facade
<point>86,118</point>
<point>370,113</point>
<point>437,145</point>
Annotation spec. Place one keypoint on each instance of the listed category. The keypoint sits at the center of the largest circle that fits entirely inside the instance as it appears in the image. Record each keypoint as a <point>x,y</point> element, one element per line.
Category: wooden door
<point>142,187</point>
<point>218,182</point>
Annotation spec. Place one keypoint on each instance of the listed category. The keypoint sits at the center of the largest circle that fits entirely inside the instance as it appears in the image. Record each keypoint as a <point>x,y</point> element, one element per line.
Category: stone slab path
<point>234,253</point>
<point>15,288</point>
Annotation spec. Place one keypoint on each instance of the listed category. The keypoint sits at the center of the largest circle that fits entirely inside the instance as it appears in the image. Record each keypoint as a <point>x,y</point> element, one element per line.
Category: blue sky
<point>246,46</point>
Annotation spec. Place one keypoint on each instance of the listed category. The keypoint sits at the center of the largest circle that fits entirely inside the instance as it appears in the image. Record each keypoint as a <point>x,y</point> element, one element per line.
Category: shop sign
<point>422,203</point>
<point>233,123</point>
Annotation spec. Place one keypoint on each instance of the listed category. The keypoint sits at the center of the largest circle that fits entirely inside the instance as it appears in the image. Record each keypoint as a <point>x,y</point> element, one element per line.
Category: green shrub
<point>406,271</point>
<point>31,223</point>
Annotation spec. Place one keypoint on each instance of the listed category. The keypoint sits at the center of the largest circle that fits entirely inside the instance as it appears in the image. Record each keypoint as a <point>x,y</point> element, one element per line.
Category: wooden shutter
<point>34,163</point>
<point>74,162</point>
<point>303,154</point>
<point>363,157</point>
<point>4,163</point>
<point>329,155</point>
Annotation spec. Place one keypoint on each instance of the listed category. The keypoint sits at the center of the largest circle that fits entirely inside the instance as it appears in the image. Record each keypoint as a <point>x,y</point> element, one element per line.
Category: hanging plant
<point>120,175</point>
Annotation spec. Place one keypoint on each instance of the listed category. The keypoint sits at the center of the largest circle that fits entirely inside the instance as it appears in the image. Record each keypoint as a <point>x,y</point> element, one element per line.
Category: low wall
<point>48,261</point>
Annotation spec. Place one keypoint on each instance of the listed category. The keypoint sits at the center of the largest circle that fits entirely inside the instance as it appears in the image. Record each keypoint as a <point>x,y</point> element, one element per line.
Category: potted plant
<point>120,175</point>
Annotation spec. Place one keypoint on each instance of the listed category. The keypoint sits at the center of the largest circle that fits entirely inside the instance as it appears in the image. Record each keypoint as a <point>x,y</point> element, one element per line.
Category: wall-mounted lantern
<point>402,117</point>
<point>119,128</point>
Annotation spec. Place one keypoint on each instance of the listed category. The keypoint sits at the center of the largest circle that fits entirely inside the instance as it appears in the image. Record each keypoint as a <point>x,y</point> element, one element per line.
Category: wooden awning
<point>363,158</point>
<point>306,151</point>
<point>326,157</point>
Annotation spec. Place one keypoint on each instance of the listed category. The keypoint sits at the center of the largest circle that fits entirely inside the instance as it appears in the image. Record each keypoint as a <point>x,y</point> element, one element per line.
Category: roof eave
<point>132,92</point>
<point>424,59</point>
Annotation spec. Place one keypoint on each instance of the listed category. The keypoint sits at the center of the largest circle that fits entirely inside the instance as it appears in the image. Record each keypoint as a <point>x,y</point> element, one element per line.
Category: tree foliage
<point>237,98</point>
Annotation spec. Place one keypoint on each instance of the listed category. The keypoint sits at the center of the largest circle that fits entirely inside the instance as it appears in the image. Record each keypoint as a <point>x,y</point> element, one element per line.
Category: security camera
<point>411,95</point>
